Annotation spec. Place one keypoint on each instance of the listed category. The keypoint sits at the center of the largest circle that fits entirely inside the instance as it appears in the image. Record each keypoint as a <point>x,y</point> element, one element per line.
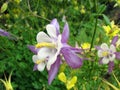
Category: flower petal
<point>56,24</point>
<point>105,60</point>
<point>35,58</point>
<point>65,34</point>
<point>104,46</point>
<point>41,66</point>
<point>4,33</point>
<point>51,30</point>
<point>44,53</point>
<point>35,67</point>
<point>43,37</point>
<point>110,66</point>
<point>112,57</point>
<point>112,48</point>
<point>100,53</point>
<point>71,58</point>
<point>117,54</point>
<point>53,71</point>
<point>115,39</point>
<point>33,49</point>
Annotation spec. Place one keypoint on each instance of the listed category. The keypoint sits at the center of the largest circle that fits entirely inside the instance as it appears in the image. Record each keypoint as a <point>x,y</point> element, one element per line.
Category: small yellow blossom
<point>69,83</point>
<point>7,83</point>
<point>111,30</point>
<point>85,45</point>
<point>82,10</point>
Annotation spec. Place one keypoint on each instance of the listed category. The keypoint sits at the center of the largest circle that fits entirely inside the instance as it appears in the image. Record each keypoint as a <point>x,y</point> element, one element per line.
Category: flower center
<point>45,44</point>
<point>39,61</point>
<point>105,53</point>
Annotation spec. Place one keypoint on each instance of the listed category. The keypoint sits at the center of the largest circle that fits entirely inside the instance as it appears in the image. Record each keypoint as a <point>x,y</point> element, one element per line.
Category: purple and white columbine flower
<point>51,46</point>
<point>108,54</point>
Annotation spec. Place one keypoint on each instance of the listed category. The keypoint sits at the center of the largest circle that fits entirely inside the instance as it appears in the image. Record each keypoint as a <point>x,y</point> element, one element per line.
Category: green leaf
<point>4,7</point>
<point>107,21</point>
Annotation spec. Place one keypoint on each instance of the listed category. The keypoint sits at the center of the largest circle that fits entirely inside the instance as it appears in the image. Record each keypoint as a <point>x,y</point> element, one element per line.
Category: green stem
<point>96,21</point>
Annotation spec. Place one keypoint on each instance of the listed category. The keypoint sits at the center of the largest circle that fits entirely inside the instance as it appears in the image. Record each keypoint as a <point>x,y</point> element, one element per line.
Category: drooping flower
<point>52,46</point>
<point>70,83</point>
<point>7,83</point>
<point>108,54</point>
<point>111,30</point>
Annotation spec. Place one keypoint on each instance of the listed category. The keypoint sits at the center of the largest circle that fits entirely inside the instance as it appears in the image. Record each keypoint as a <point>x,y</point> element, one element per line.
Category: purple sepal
<point>65,34</point>
<point>114,40</point>
<point>33,49</point>
<point>53,70</point>
<point>110,66</point>
<point>56,24</point>
<point>35,67</point>
<point>100,61</point>
<point>117,55</point>
<point>4,33</point>
<point>71,58</point>
<point>98,47</point>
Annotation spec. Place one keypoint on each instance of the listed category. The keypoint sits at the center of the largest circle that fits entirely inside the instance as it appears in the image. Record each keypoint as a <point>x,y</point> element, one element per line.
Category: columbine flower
<point>108,54</point>
<point>111,31</point>
<point>69,83</point>
<point>51,46</point>
<point>7,83</point>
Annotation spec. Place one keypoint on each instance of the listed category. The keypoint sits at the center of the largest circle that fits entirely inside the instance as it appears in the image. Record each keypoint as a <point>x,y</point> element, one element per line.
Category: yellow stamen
<point>39,61</point>
<point>105,53</point>
<point>45,44</point>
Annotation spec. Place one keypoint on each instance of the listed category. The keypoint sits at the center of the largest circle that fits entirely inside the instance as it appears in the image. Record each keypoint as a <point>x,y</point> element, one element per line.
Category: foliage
<point>25,18</point>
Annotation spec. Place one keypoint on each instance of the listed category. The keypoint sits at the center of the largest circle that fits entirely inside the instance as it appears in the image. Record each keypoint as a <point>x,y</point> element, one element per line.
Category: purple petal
<point>71,58</point>
<point>53,71</point>
<point>4,33</point>
<point>110,66</point>
<point>117,55</point>
<point>98,47</point>
<point>33,49</point>
<point>65,34</point>
<point>56,24</point>
<point>76,50</point>
<point>115,39</point>
<point>35,67</point>
<point>100,61</point>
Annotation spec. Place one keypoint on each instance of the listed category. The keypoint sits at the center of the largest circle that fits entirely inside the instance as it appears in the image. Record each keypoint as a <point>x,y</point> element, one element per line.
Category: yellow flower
<point>69,83</point>
<point>82,10</point>
<point>85,45</point>
<point>111,30</point>
<point>7,83</point>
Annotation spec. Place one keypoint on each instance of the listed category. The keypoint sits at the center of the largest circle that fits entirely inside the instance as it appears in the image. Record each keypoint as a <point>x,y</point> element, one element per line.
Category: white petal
<point>34,58</point>
<point>52,60</point>
<point>44,53</point>
<point>104,46</point>
<point>51,30</point>
<point>100,53</point>
<point>43,37</point>
<point>105,60</point>
<point>112,48</point>
<point>111,58</point>
<point>41,66</point>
